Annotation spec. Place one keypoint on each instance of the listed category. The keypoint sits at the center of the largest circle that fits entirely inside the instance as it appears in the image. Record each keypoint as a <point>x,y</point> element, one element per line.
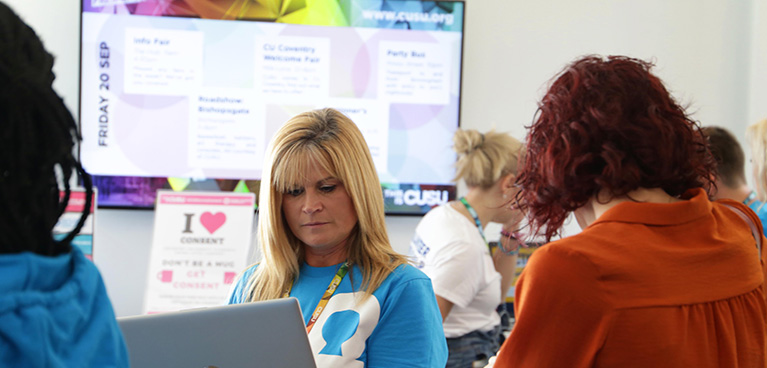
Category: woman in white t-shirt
<point>470,279</point>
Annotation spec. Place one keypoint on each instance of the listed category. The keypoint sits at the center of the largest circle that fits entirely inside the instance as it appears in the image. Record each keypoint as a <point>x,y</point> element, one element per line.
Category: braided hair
<point>37,134</point>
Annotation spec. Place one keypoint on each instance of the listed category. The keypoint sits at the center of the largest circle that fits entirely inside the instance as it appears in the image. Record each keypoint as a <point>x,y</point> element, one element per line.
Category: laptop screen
<point>261,334</point>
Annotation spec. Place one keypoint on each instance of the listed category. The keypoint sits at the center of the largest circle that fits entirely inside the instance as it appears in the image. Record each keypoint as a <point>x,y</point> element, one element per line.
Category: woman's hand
<point>509,243</point>
<point>510,238</point>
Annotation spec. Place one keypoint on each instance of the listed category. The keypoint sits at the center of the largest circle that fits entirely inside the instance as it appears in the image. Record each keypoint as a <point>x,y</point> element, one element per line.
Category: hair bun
<point>467,141</point>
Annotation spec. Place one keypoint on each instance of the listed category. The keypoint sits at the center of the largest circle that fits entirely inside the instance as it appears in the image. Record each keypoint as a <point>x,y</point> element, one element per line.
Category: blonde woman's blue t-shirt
<point>399,326</point>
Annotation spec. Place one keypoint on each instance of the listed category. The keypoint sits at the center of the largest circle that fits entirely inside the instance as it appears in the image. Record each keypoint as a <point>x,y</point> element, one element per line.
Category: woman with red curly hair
<point>660,276</point>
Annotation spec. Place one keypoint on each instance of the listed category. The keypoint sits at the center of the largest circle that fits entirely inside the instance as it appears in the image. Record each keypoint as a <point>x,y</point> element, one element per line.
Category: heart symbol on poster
<point>212,222</point>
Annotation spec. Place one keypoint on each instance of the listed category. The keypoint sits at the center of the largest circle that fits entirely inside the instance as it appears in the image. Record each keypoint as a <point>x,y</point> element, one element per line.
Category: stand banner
<point>200,244</point>
<point>68,221</point>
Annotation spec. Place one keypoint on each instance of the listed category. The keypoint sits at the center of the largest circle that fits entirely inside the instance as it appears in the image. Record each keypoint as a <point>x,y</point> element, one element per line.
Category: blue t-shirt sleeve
<point>761,211</point>
<point>409,332</point>
<point>237,294</point>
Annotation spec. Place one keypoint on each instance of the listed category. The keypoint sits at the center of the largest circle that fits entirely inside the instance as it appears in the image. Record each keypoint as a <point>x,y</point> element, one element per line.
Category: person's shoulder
<point>404,281</point>
<point>237,293</point>
<point>760,208</point>
<point>407,272</point>
<point>245,276</point>
<point>246,273</point>
<point>568,262</point>
<point>444,223</point>
<point>437,215</point>
<point>85,271</point>
<point>571,243</point>
<point>581,248</point>
<point>78,257</point>
<point>727,202</point>
<point>731,206</point>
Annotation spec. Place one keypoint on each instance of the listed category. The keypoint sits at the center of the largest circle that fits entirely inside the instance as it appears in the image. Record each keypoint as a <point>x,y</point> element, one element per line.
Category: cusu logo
<point>210,221</point>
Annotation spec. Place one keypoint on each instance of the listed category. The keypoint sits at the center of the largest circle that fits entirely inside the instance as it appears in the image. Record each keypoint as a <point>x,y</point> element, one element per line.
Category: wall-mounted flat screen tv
<point>185,94</point>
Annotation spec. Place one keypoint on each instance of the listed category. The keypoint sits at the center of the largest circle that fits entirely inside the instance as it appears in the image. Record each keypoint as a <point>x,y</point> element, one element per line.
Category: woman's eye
<point>327,188</point>
<point>295,192</point>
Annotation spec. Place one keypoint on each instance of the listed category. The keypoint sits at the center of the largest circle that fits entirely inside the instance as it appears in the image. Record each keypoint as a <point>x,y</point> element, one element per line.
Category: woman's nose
<point>312,202</point>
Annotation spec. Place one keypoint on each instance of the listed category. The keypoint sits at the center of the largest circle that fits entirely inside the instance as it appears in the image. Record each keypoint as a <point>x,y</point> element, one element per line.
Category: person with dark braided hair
<point>54,310</point>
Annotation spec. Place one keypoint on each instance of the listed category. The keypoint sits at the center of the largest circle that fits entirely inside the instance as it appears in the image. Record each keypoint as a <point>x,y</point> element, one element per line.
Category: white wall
<point>757,107</point>
<point>709,52</point>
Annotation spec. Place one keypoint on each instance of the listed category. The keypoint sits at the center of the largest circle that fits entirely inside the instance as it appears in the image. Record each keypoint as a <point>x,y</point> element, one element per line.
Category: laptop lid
<point>261,334</point>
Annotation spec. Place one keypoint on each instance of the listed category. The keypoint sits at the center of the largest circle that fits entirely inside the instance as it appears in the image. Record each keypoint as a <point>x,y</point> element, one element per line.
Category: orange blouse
<point>645,285</point>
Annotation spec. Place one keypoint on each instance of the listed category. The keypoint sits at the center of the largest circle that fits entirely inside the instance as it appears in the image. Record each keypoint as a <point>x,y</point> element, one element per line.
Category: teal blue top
<point>54,312</point>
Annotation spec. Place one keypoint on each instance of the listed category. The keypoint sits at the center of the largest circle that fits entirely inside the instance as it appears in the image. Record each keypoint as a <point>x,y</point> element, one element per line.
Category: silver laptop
<point>261,334</point>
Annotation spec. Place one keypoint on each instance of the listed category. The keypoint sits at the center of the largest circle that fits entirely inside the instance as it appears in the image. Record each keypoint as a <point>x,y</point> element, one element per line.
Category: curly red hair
<point>607,124</point>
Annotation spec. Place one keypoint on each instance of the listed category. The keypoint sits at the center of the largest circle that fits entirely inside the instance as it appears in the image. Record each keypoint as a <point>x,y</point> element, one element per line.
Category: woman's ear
<point>507,185</point>
<point>508,181</point>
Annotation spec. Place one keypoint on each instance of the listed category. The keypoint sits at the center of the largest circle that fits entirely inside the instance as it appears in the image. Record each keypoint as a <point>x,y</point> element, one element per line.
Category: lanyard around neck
<point>325,297</point>
<point>474,215</point>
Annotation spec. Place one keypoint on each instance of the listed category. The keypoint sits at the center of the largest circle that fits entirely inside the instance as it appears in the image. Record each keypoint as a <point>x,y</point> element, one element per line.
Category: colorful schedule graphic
<point>191,91</point>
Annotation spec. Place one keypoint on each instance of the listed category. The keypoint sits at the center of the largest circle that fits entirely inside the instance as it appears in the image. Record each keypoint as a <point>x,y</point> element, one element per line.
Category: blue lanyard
<point>473,214</point>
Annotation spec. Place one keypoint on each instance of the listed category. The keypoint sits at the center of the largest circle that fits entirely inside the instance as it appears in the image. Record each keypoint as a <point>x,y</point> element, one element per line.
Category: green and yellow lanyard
<point>325,297</point>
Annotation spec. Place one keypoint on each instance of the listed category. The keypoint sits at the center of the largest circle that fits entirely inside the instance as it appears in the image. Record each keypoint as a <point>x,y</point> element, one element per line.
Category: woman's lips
<point>312,224</point>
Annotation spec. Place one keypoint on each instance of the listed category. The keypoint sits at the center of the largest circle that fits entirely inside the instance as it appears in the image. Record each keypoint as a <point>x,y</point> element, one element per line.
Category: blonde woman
<point>321,219</point>
<point>450,246</point>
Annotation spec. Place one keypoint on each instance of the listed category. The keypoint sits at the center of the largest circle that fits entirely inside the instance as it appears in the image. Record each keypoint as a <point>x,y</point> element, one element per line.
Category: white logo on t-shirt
<point>339,335</point>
